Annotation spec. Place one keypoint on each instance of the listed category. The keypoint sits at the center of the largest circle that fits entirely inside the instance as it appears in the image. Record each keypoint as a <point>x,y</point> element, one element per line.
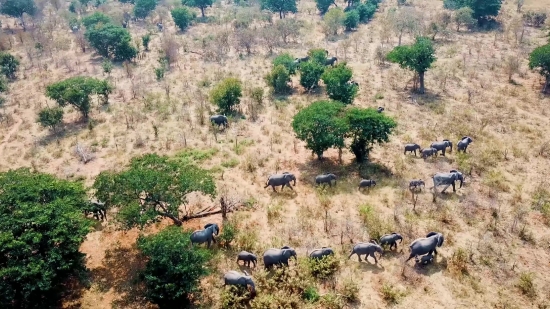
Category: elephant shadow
<point>371,267</point>
<point>249,270</point>
<point>286,194</point>
<point>432,268</point>
<point>393,253</point>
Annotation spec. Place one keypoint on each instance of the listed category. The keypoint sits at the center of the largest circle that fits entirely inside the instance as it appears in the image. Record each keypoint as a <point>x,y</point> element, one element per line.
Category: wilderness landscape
<point>496,252</point>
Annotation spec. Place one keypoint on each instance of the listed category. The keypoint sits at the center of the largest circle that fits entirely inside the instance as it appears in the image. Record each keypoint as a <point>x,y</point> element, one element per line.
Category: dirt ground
<point>468,93</point>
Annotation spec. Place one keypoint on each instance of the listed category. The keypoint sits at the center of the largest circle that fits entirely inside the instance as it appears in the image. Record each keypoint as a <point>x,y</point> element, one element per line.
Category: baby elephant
<point>380,109</point>
<point>416,184</point>
<point>428,152</point>
<point>426,259</point>
<point>367,183</point>
<point>325,179</point>
<point>320,253</point>
<point>367,248</point>
<point>411,148</point>
<point>391,239</point>
<point>247,257</point>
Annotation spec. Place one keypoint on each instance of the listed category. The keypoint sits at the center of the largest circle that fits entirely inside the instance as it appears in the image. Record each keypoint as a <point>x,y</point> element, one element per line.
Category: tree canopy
<point>8,65</point>
<point>95,19</point>
<point>337,80</point>
<point>16,8</point>
<point>111,41</point>
<point>351,21</point>
<point>183,17</point>
<point>540,59</point>
<point>227,94</point>
<point>173,268</point>
<point>318,55</point>
<point>50,117</point>
<point>279,6</point>
<point>287,61</point>
<point>324,5</point>
<point>77,91</point>
<point>142,8</point>
<point>320,126</point>
<point>41,229</point>
<point>201,4</point>
<point>278,79</point>
<point>150,188</point>
<point>310,73</point>
<point>482,9</point>
<point>334,21</point>
<point>367,127</point>
<point>417,57</point>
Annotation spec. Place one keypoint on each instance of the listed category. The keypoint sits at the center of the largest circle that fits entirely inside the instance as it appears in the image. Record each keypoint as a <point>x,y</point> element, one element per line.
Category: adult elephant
<point>391,239</point>
<point>279,257</point>
<point>219,120</point>
<point>442,146</point>
<point>462,145</point>
<point>448,179</point>
<point>411,148</point>
<point>205,235</point>
<point>368,249</point>
<point>233,277</point>
<point>330,61</point>
<point>426,245</point>
<point>320,253</point>
<point>325,179</point>
<point>283,180</point>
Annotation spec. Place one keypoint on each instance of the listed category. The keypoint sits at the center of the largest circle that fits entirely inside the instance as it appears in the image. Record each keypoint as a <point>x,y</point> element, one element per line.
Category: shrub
<point>3,84</point>
<point>227,94</point>
<point>111,41</point>
<point>458,263</point>
<point>146,39</point>
<point>107,66</point>
<point>337,81</point>
<point>333,21</point>
<point>8,65</point>
<point>366,11</point>
<point>142,8</point>
<point>349,290</point>
<point>535,19</point>
<point>311,294</point>
<point>247,241</point>
<point>332,301</point>
<point>257,95</point>
<point>183,17</point>
<point>310,74</point>
<point>50,117</point>
<point>228,234</point>
<point>235,297</point>
<point>526,285</point>
<point>278,80</point>
<point>374,223</point>
<point>323,5</point>
<point>287,61</point>
<point>323,268</point>
<point>390,294</point>
<point>352,20</point>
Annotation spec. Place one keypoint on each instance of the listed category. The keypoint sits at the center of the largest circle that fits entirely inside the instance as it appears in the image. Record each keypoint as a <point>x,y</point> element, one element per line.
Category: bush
<point>458,263</point>
<point>323,268</point>
<point>95,19</point>
<point>107,66</point>
<point>352,20</point>
<point>337,81</point>
<point>323,5</point>
<point>287,61</point>
<point>50,117</point>
<point>332,301</point>
<point>227,94</point>
<point>310,74</point>
<point>333,21</point>
<point>535,19</point>
<point>142,8</point>
<point>349,290</point>
<point>526,285</point>
<point>257,95</point>
<point>173,268</point>
<point>278,80</point>
<point>375,224</point>
<point>228,234</point>
<point>111,41</point>
<point>390,294</point>
<point>366,11</point>
<point>3,84</point>
<point>311,294</point>
<point>183,17</point>
<point>8,65</point>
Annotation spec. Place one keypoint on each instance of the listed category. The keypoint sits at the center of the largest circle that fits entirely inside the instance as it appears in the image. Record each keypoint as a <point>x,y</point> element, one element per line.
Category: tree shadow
<point>69,129</point>
<point>120,271</point>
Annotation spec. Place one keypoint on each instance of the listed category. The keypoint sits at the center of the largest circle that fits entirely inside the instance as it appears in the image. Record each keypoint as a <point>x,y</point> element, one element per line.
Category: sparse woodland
<point>110,160</point>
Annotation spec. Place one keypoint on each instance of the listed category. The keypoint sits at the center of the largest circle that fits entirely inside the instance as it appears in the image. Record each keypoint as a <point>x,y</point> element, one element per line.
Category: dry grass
<point>503,226</point>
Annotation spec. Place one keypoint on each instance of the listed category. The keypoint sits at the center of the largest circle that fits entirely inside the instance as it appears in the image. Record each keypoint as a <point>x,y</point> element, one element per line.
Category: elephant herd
<point>436,147</point>
<point>421,249</point>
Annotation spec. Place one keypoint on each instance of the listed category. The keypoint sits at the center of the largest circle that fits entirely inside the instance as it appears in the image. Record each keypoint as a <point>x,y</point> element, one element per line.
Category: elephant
<point>325,178</point>
<point>367,248</point>
<point>98,210</point>
<point>428,152</point>
<point>283,180</point>
<point>411,148</point>
<point>320,253</point>
<point>463,143</point>
<point>414,184</point>
<point>206,235</point>
<point>391,239</point>
<point>160,26</point>
<point>367,183</point>
<point>426,259</point>
<point>448,179</point>
<point>425,245</point>
<point>247,257</point>
<point>380,109</point>
<point>219,120</point>
<point>352,82</point>
<point>233,277</point>
<point>442,146</point>
<point>330,61</point>
<point>276,256</point>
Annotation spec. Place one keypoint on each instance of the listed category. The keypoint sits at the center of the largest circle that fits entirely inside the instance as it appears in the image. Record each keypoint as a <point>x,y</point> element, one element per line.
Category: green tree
<point>365,128</point>
<point>77,91</point>
<point>366,11</point>
<point>352,20</point>
<point>107,66</point>
<point>173,268</point>
<point>463,17</point>
<point>337,80</point>
<point>320,126</point>
<point>310,74</point>
<point>183,17</point>
<point>95,19</point>
<point>50,117</point>
<point>540,59</point>
<point>142,8</point>
<point>287,61</point>
<point>150,188</point>
<point>280,6</point>
<point>146,39</point>
<point>16,9</point>
<point>318,55</point>
<point>334,21</point>
<point>41,231</point>
<point>324,5</point>
<point>482,9</point>
<point>111,41</point>
<point>201,4</point>
<point>227,94</point>
<point>8,65</point>
<point>417,57</point>
<point>278,79</point>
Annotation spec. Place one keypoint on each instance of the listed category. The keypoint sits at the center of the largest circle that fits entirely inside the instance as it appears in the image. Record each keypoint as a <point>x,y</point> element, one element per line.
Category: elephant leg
<point>273,188</point>
<point>454,189</point>
<point>415,152</point>
<point>410,257</point>
<point>359,257</point>
<point>435,251</point>
<point>374,256</point>
<point>445,188</point>
<point>288,184</point>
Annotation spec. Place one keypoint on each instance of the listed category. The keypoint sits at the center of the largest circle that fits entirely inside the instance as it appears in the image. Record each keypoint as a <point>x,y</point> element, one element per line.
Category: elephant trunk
<point>294,181</point>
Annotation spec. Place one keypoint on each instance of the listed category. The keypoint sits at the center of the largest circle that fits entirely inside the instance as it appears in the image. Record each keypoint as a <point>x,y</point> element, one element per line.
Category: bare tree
<point>269,38</point>
<point>245,39</point>
<point>511,66</point>
<point>170,48</point>
<point>288,28</point>
<point>405,20</point>
<point>519,4</point>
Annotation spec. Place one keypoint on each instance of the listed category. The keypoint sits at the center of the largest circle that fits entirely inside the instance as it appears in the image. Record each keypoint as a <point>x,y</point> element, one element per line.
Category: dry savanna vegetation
<point>154,94</point>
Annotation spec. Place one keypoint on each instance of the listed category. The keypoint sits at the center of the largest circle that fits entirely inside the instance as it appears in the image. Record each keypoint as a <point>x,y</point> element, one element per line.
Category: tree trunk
<point>400,35</point>
<point>359,150</point>
<point>281,14</point>
<point>23,23</point>
<point>202,12</point>
<point>546,84</point>
<point>177,221</point>
<point>421,77</point>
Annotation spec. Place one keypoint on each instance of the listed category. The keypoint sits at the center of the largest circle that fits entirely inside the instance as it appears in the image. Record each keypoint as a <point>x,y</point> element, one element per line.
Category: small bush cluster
<point>375,224</point>
<point>458,263</point>
<point>390,293</point>
<point>323,268</point>
<point>526,284</point>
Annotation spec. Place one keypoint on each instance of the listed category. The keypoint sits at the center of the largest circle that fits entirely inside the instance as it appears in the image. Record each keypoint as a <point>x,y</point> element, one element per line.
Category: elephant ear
<point>285,247</point>
<point>440,240</point>
<point>453,171</point>
<point>430,234</point>
<point>208,225</point>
